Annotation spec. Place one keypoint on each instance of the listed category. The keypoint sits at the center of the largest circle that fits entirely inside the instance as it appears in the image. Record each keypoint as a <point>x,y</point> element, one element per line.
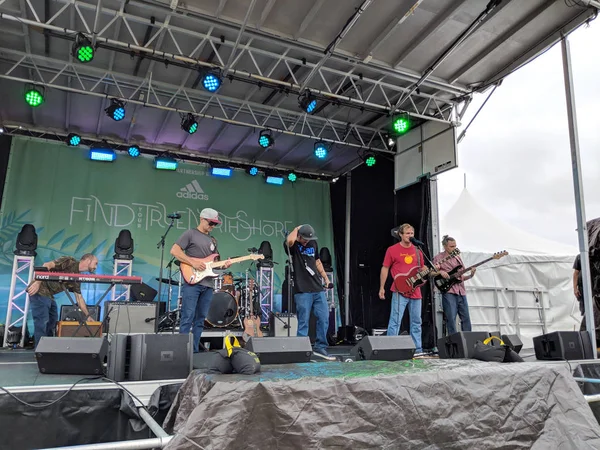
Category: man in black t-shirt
<point>309,293</point>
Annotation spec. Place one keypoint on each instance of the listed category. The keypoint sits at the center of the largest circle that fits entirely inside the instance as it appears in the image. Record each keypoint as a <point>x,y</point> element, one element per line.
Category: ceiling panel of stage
<point>363,60</point>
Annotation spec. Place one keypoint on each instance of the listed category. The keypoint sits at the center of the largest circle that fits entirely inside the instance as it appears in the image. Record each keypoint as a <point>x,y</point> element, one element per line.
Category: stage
<point>419,403</point>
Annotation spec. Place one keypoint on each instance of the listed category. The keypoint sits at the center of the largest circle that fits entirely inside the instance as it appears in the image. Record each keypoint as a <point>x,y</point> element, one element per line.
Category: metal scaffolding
<point>265,289</point>
<point>121,292</point>
<point>18,298</point>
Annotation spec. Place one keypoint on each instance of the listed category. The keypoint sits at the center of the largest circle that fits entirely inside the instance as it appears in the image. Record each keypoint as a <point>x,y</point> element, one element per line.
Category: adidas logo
<point>192,191</point>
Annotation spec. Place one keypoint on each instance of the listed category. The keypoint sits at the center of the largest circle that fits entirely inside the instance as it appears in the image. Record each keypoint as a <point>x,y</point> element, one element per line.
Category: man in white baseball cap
<point>192,245</point>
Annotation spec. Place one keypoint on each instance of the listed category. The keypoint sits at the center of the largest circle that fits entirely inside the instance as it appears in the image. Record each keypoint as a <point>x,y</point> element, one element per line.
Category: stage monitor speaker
<point>461,344</point>
<point>281,350</point>
<point>384,348</point>
<point>160,356</point>
<point>588,348</point>
<point>142,293</point>
<point>70,313</point>
<point>129,317</point>
<point>561,345</point>
<point>71,355</point>
<point>278,323</point>
<point>513,341</point>
<point>119,357</point>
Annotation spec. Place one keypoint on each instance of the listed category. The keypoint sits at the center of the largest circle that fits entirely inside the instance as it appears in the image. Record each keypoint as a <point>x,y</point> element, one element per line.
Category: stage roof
<point>363,61</point>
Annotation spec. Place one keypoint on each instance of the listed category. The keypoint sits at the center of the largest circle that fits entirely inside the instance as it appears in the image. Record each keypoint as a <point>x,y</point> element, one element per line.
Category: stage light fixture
<point>292,177</point>
<point>223,172</point>
<point>34,96</point>
<point>252,171</point>
<point>307,102</point>
<point>73,139</point>
<point>401,124</point>
<point>274,179</point>
<point>116,110</point>
<point>321,150</point>
<point>82,49</point>
<point>165,163</point>
<point>134,151</point>
<point>211,81</point>
<point>1,130</point>
<point>189,123</point>
<point>27,241</point>
<point>370,159</point>
<point>265,139</point>
<point>102,154</point>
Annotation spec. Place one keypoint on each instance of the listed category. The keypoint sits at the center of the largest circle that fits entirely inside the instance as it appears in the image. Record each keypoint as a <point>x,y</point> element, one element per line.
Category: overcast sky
<point>516,154</point>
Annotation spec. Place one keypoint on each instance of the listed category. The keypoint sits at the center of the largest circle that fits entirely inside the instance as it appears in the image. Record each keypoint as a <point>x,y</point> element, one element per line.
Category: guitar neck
<point>218,264</point>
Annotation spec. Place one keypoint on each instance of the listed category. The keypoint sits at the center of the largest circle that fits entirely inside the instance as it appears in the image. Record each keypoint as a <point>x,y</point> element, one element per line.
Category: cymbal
<point>167,281</point>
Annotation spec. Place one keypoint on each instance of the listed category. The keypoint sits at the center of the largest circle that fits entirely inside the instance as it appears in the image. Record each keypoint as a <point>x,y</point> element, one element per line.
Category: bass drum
<point>223,309</point>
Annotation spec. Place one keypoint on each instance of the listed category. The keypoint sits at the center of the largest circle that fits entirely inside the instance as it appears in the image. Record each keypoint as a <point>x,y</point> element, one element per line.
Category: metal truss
<point>379,94</point>
<point>147,92</point>
<point>18,298</point>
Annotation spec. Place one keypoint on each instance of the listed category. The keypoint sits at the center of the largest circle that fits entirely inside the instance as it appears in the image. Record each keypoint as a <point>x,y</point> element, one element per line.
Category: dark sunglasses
<point>212,224</point>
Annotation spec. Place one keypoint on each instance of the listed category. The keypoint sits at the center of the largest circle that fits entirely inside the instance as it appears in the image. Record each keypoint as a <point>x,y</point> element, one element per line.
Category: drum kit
<point>230,303</point>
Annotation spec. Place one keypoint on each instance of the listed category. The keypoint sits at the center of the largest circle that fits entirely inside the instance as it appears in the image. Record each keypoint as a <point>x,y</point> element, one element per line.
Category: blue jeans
<point>456,304</point>
<point>399,304</point>
<point>195,303</point>
<point>45,316</point>
<point>318,303</point>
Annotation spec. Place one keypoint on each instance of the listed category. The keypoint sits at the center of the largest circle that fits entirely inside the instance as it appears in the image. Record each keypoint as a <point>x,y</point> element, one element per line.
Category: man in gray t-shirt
<point>192,244</point>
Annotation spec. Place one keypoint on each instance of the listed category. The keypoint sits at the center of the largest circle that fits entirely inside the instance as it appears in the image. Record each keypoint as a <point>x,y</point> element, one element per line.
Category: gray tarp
<point>421,404</point>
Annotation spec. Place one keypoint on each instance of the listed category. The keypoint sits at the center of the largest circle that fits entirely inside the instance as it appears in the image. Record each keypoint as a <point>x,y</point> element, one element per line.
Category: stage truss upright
<point>18,298</point>
<point>265,289</point>
<point>122,267</point>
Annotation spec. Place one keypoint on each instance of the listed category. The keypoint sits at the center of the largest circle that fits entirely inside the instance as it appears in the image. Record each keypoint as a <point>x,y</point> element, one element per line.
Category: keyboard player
<point>41,293</point>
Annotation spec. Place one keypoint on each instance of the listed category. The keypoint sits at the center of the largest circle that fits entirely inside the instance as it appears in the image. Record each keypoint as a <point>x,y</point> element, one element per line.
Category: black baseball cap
<point>307,232</point>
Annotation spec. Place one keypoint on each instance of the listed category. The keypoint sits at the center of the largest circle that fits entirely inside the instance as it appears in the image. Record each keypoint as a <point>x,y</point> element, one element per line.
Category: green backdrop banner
<point>79,206</point>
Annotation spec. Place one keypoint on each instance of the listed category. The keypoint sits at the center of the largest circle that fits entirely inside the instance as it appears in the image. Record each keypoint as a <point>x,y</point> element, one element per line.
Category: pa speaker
<point>513,341</point>
<point>562,345</point>
<point>461,344</point>
<point>160,356</point>
<point>71,355</point>
<point>384,348</point>
<point>142,293</point>
<point>281,350</point>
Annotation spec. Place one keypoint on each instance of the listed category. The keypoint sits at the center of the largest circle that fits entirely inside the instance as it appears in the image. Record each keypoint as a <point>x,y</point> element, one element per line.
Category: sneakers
<point>420,355</point>
<point>324,355</point>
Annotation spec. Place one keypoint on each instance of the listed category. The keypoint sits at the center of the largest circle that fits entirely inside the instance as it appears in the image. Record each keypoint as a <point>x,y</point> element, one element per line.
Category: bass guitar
<point>251,322</point>
<point>444,284</point>
<point>407,283</point>
<point>194,276</point>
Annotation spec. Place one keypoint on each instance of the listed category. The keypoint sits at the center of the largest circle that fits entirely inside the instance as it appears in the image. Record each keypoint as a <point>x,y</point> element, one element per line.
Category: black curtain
<point>5,142</point>
<point>413,206</point>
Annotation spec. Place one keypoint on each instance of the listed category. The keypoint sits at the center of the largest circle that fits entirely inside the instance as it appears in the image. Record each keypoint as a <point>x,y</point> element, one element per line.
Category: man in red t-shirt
<point>400,258</point>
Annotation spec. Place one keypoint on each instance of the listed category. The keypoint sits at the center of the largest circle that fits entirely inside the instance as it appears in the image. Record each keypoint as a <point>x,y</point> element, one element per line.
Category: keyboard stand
<point>83,323</point>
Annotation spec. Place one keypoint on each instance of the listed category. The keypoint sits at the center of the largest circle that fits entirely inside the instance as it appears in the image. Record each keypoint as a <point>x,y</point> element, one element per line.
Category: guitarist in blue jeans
<point>455,300</point>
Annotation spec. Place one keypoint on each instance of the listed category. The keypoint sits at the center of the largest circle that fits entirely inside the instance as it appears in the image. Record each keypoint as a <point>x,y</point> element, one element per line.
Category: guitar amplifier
<point>73,313</point>
<point>73,329</point>
<point>278,324</point>
<point>129,317</point>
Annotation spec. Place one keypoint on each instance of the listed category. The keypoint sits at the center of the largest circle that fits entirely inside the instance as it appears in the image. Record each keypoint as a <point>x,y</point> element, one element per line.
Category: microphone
<point>253,250</point>
<point>330,286</point>
<point>416,242</point>
<point>174,215</point>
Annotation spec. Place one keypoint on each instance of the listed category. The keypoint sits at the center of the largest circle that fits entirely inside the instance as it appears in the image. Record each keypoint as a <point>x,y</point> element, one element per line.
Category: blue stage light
<point>224,172</point>
<point>321,150</point>
<point>134,151</point>
<point>211,82</point>
<point>102,154</point>
<point>307,102</point>
<point>270,179</point>
<point>165,163</point>
<point>73,139</point>
<point>116,110</point>
<point>253,171</point>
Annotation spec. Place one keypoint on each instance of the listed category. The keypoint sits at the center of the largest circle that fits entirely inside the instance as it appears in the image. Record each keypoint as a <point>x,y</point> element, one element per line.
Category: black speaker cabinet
<point>71,355</point>
<point>563,345</point>
<point>513,341</point>
<point>159,356</point>
<point>384,348</point>
<point>129,317</point>
<point>70,313</point>
<point>142,293</point>
<point>281,350</point>
<point>461,344</point>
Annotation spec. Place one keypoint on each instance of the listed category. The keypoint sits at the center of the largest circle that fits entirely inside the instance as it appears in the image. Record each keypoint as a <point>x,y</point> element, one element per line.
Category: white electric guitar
<point>194,276</point>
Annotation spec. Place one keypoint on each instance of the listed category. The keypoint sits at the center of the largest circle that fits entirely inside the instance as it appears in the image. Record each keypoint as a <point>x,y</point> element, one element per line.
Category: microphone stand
<point>161,245</point>
<point>290,285</point>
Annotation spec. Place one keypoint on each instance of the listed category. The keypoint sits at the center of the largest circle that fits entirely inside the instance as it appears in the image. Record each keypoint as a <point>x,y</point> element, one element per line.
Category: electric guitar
<point>444,284</point>
<point>252,322</point>
<point>407,283</point>
<point>194,276</point>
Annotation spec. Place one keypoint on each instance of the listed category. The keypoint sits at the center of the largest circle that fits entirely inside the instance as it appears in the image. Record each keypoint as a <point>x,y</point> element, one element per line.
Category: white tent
<point>528,292</point>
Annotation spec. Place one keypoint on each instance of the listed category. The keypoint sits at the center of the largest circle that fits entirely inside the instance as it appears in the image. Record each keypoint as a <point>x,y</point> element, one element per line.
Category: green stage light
<point>189,123</point>
<point>401,124</point>
<point>34,97</point>
<point>73,139</point>
<point>370,160</point>
<point>292,177</point>
<point>265,139</point>
<point>82,49</point>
